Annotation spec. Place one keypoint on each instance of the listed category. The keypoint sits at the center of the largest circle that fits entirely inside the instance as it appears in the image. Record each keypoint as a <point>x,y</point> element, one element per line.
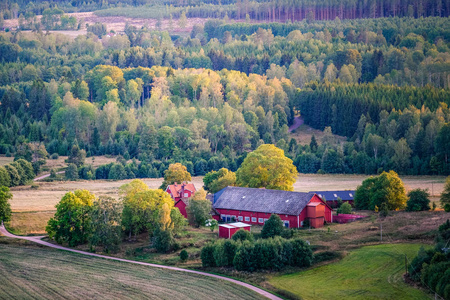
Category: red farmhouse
<point>227,230</point>
<point>254,206</point>
<point>180,193</point>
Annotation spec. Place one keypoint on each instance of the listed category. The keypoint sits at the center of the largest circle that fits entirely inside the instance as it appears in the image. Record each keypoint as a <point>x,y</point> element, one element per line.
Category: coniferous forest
<point>374,72</point>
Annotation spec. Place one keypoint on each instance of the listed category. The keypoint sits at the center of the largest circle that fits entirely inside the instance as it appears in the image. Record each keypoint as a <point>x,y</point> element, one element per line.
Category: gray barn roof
<point>262,200</point>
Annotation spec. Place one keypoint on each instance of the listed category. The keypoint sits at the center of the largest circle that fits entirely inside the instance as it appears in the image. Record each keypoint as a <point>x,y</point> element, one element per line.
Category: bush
<point>71,172</point>
<point>418,200</point>
<point>273,227</point>
<point>54,156</point>
<point>243,235</point>
<point>207,255</point>
<point>163,240</point>
<point>345,208</point>
<point>184,255</point>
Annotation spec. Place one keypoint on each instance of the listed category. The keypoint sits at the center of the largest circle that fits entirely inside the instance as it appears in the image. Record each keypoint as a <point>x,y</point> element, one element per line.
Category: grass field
<point>5,160</point>
<point>42,273</point>
<point>373,272</point>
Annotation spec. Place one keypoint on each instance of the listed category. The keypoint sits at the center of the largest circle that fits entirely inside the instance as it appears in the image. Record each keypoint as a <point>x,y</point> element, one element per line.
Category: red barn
<point>227,230</point>
<point>254,206</point>
<point>180,194</point>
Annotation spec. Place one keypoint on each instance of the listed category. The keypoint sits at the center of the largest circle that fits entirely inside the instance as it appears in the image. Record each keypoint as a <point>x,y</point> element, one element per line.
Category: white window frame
<point>253,219</point>
<point>186,195</point>
<point>260,220</point>
<point>286,222</point>
<point>241,218</point>
<point>247,219</point>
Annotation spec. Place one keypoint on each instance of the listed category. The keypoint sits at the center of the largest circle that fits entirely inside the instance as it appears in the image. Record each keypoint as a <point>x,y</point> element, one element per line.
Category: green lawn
<point>373,272</point>
<point>41,273</point>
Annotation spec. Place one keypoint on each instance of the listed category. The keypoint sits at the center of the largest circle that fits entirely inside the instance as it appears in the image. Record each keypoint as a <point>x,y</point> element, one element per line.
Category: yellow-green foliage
<point>267,167</point>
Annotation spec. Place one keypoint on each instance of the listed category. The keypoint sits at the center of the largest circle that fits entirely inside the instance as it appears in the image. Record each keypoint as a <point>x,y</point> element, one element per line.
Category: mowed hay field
<point>373,272</point>
<point>42,273</point>
<point>32,208</point>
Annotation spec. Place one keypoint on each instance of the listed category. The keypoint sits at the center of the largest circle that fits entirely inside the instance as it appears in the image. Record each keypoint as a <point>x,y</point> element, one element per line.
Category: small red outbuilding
<point>226,231</point>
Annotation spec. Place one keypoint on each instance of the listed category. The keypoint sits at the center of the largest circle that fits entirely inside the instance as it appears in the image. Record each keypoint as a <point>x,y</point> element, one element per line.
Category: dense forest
<point>280,11</point>
<point>207,98</point>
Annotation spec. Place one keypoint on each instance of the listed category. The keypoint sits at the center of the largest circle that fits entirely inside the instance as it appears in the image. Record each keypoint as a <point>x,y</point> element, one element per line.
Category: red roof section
<point>176,188</point>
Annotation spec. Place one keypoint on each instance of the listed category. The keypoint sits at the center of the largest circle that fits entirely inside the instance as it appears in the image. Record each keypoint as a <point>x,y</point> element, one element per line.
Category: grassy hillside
<point>373,272</point>
<point>36,273</point>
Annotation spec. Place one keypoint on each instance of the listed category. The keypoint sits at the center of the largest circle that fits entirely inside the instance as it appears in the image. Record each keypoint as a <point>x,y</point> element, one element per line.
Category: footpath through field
<point>37,239</point>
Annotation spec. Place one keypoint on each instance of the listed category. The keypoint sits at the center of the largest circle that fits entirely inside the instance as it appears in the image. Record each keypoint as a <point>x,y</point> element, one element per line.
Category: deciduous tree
<point>72,221</point>
<point>175,173</point>
<point>267,167</point>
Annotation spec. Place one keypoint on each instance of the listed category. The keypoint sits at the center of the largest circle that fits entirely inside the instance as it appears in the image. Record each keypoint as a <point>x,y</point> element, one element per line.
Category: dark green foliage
<point>77,155</point>
<point>99,29</point>
<point>418,200</point>
<point>163,240</point>
<point>106,229</point>
<point>198,211</point>
<point>71,172</point>
<point>5,180</point>
<point>272,254</point>
<point>184,255</point>
<point>13,174</point>
<point>431,268</point>
<point>273,227</point>
<point>243,235</point>
<point>445,195</point>
<point>5,207</point>
<point>207,255</point>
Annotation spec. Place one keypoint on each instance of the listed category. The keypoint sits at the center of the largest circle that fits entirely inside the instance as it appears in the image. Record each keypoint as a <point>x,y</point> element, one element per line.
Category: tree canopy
<point>385,189</point>
<point>267,167</point>
<point>175,173</point>
<point>71,223</point>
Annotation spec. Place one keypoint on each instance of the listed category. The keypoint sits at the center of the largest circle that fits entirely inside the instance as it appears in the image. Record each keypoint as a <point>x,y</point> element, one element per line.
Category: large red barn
<point>254,206</point>
<point>180,194</point>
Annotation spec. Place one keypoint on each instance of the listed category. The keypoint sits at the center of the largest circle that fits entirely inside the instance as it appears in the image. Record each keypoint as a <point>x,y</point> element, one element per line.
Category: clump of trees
<point>19,172</point>
<point>345,208</point>
<point>103,222</point>
<point>430,268</point>
<point>263,254</point>
<point>386,190</point>
<point>214,181</point>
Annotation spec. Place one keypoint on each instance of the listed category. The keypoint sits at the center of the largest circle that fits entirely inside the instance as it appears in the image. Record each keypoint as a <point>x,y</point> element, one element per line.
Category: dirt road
<point>46,175</point>
<point>37,239</point>
<point>298,121</point>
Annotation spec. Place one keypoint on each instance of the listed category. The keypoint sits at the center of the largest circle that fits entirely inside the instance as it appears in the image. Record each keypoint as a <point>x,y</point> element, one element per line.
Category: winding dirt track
<point>37,239</point>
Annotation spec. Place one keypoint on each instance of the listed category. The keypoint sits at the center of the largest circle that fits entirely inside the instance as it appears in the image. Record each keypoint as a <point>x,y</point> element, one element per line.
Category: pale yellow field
<point>48,194</point>
<point>93,160</point>
<point>5,160</point>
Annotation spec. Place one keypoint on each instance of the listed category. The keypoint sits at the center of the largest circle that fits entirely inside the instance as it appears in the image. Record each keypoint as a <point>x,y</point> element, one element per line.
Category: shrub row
<point>263,254</point>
